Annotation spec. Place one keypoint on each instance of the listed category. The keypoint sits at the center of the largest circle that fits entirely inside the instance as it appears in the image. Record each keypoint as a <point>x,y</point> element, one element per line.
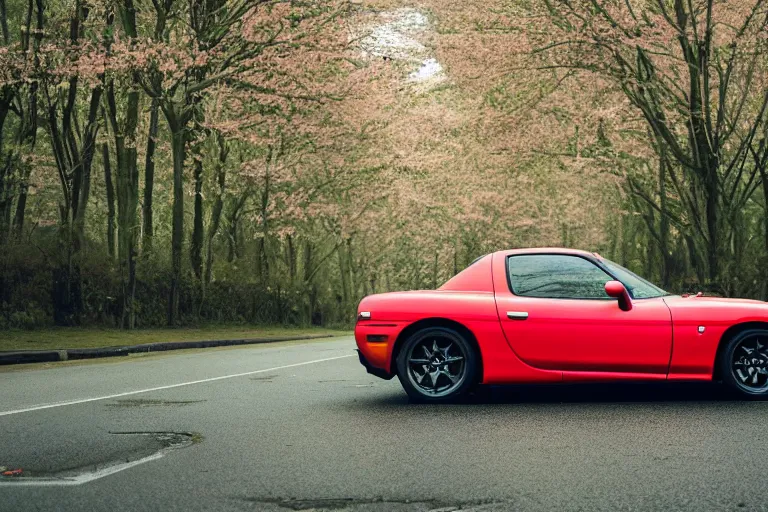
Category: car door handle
<point>517,315</point>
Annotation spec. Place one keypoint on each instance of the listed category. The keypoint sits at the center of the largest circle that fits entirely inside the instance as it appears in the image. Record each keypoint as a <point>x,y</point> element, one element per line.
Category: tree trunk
<point>291,260</point>
<point>21,205</point>
<point>127,200</point>
<point>648,257</point>
<point>343,277</point>
<point>308,278</point>
<point>262,262</point>
<point>664,219</point>
<point>65,311</point>
<point>149,178</point>
<point>29,118</point>
<point>127,219</point>
<point>262,272</point>
<point>712,228</point>
<point>110,198</point>
<point>127,174</point>
<point>84,174</point>
<point>352,273</point>
<point>177,236</point>
<point>625,239</point>
<point>233,242</point>
<point>233,230</point>
<point>693,258</point>
<point>213,228</point>
<point>6,197</point>
<point>73,160</point>
<point>196,242</point>
<point>218,206</point>
<point>704,155</point>
<point>764,285</point>
<point>308,261</point>
<point>4,21</point>
<point>6,202</point>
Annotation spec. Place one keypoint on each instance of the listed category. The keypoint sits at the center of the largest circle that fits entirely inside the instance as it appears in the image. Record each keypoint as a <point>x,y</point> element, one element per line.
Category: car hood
<point>679,299</point>
<point>718,307</point>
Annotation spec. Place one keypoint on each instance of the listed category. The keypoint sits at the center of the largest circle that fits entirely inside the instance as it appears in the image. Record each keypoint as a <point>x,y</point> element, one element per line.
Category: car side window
<point>556,276</point>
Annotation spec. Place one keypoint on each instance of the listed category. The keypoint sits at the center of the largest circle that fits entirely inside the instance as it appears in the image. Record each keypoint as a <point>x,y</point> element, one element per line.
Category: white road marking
<point>79,479</point>
<point>170,386</point>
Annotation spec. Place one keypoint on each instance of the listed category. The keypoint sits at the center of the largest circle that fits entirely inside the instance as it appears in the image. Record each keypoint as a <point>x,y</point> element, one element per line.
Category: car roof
<point>547,250</point>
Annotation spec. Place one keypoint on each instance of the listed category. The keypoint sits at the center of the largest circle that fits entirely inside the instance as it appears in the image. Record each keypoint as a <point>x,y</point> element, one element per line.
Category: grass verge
<point>71,337</point>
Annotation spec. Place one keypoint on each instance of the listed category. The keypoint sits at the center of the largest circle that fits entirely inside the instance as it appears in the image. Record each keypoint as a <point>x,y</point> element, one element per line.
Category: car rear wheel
<point>436,365</point>
<point>744,365</point>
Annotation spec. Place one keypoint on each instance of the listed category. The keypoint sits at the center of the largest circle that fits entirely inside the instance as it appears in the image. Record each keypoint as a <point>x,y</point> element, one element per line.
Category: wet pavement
<point>302,427</point>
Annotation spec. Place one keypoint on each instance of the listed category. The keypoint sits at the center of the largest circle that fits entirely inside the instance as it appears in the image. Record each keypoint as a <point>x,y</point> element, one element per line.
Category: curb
<point>47,356</point>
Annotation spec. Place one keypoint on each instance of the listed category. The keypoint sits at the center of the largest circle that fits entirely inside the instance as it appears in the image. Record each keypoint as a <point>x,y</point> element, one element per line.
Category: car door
<point>556,315</point>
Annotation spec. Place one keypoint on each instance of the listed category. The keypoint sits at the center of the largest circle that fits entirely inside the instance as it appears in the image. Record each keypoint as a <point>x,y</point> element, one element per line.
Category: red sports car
<point>558,315</point>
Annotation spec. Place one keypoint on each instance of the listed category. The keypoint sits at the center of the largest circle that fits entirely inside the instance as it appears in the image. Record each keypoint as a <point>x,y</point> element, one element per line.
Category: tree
<point>19,96</point>
<point>123,117</point>
<point>226,42</point>
<point>73,151</point>
<point>696,73</point>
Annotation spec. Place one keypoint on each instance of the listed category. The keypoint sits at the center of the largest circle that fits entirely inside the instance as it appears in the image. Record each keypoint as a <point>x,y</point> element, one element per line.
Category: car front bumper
<point>375,342</point>
<point>378,372</point>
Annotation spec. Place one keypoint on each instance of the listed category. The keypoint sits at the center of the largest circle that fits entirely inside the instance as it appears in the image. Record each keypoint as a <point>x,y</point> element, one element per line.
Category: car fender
<point>695,351</point>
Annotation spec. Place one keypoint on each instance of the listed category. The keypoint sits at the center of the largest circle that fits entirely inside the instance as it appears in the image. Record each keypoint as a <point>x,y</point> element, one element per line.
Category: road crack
<point>147,402</point>
<point>371,505</point>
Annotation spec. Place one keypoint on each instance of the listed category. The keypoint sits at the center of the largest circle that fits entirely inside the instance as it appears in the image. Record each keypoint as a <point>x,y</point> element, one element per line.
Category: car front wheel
<point>744,365</point>
<point>436,365</point>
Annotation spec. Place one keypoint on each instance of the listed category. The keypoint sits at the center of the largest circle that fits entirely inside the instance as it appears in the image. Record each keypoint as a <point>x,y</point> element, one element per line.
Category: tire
<point>744,364</point>
<point>436,365</point>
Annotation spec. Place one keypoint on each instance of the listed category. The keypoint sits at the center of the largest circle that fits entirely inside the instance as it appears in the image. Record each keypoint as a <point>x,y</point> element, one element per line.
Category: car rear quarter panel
<point>393,312</point>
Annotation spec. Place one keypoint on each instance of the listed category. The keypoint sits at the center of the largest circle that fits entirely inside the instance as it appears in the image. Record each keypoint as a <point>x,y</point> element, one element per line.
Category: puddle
<point>167,441</point>
<point>146,402</point>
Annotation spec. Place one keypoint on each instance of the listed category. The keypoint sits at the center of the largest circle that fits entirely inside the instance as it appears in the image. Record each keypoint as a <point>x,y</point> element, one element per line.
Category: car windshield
<point>638,287</point>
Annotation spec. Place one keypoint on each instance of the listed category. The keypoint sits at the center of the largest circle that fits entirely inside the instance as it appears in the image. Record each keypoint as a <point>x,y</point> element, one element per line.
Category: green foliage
<point>285,189</point>
<point>26,300</point>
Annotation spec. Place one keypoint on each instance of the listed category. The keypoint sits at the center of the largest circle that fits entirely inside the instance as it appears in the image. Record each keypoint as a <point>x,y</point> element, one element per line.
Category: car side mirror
<point>618,290</point>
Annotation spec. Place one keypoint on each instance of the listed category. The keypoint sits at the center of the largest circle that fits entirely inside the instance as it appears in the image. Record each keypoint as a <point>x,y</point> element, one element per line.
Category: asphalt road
<point>256,428</point>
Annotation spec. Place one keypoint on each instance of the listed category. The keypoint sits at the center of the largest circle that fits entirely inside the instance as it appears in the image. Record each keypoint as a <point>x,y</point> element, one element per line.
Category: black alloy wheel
<point>744,364</point>
<point>436,364</point>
